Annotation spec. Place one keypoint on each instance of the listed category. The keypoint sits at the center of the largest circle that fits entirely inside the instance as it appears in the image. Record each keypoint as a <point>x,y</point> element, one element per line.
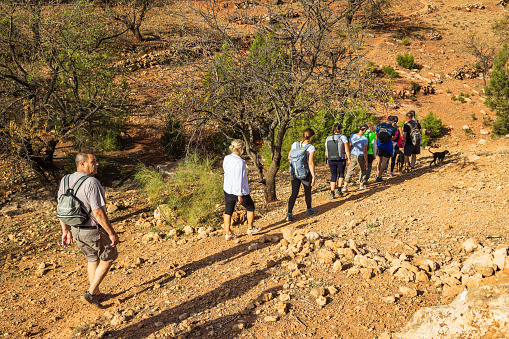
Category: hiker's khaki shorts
<point>95,244</point>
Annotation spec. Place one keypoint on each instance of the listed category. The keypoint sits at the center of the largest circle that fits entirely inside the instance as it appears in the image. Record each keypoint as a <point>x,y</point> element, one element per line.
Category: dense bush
<point>433,125</point>
<point>405,42</point>
<point>498,92</point>
<point>415,86</point>
<point>406,60</point>
<point>191,194</point>
<point>390,72</point>
<point>322,123</point>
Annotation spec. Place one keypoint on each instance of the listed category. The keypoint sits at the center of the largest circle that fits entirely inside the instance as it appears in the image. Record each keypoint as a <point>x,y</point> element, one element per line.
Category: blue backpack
<point>299,161</point>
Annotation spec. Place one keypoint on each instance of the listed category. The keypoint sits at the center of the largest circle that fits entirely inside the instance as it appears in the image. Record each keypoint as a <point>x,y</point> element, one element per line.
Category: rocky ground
<point>360,268</point>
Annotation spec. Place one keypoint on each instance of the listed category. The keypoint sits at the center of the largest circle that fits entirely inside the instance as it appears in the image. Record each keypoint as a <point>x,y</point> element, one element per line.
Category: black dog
<point>400,160</point>
<point>438,157</point>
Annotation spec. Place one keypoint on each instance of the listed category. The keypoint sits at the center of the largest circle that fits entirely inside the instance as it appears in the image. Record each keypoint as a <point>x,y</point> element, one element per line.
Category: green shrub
<point>391,72</point>
<point>405,42</point>
<point>424,140</point>
<point>191,194</point>
<point>415,86</point>
<point>406,60</point>
<point>473,116</point>
<point>487,121</point>
<point>468,131</point>
<point>173,138</point>
<point>322,123</point>
<point>448,90</point>
<point>152,184</point>
<point>454,98</point>
<point>433,125</point>
<point>413,98</point>
<point>461,99</point>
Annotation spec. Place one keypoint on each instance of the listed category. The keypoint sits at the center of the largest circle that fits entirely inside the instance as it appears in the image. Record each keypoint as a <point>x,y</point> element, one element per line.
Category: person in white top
<point>309,180</point>
<point>236,188</point>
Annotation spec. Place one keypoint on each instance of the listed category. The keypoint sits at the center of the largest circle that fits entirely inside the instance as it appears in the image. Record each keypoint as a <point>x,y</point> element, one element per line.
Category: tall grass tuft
<point>191,194</point>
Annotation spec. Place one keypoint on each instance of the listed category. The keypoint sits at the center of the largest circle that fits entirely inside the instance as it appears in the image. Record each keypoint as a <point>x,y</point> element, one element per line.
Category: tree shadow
<point>228,290</point>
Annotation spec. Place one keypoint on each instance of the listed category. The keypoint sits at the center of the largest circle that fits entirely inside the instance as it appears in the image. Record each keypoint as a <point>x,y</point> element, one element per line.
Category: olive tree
<point>295,65</point>
<point>56,81</point>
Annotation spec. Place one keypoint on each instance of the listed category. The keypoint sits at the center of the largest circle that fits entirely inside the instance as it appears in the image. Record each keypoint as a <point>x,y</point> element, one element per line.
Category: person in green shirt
<point>371,135</point>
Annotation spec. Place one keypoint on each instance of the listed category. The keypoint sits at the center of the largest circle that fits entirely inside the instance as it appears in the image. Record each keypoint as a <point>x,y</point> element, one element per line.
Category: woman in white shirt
<point>309,180</point>
<point>236,188</point>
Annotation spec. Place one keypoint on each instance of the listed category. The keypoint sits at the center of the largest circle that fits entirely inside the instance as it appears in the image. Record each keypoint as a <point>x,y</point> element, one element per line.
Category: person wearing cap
<point>337,166</point>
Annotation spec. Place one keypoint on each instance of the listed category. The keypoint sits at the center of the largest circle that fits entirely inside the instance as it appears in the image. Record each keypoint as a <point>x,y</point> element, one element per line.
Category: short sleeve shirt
<point>407,129</point>
<point>309,150</point>
<point>371,138</point>
<point>339,137</point>
<point>358,142</point>
<point>91,195</point>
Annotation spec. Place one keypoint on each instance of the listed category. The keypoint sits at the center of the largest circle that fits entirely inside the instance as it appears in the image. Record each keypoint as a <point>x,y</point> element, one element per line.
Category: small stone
<point>267,297</point>
<point>253,246</point>
<point>159,324</point>
<point>486,271</point>
<point>250,306</point>
<point>447,227</point>
<point>408,291</point>
<point>312,236</point>
<point>270,263</point>
<point>282,308</point>
<point>321,301</point>
<point>452,291</point>
<point>317,292</point>
<point>332,290</point>
<point>189,230</point>
<point>390,299</point>
<point>271,319</point>
<point>284,297</point>
<point>471,245</point>
<point>238,327</point>
<point>338,266</point>
<point>183,316</point>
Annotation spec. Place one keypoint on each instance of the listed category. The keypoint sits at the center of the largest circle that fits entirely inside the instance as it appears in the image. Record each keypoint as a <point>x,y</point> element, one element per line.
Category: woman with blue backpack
<point>302,170</point>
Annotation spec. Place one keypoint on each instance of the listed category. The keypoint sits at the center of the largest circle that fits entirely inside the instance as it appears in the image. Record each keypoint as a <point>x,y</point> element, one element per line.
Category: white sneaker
<point>344,189</point>
<point>362,188</point>
<point>253,230</point>
<point>230,236</point>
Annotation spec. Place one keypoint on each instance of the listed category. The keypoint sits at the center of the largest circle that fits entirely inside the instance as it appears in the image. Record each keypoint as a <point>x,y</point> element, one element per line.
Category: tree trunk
<point>137,34</point>
<point>270,176</point>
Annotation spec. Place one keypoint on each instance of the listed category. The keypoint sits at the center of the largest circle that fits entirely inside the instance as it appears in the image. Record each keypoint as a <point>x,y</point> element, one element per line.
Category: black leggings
<point>393,158</point>
<point>295,192</point>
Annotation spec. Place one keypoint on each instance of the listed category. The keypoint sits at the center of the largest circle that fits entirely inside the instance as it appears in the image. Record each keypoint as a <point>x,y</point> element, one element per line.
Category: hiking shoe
<point>405,170</point>
<point>91,299</point>
<point>362,188</point>
<point>339,193</point>
<point>412,169</point>
<point>230,236</point>
<point>311,211</point>
<point>332,195</point>
<point>289,217</point>
<point>253,230</point>
<point>378,179</point>
<point>391,174</point>
<point>344,189</point>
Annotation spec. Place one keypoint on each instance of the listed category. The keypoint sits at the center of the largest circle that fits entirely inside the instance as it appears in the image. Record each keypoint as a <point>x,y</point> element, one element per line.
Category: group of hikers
<point>82,199</point>
<point>386,141</point>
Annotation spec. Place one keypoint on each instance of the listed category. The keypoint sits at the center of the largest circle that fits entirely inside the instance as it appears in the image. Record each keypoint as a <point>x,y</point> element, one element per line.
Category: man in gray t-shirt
<point>96,238</point>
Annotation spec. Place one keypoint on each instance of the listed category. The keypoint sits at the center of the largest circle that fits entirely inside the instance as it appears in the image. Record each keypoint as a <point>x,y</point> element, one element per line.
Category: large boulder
<point>478,313</point>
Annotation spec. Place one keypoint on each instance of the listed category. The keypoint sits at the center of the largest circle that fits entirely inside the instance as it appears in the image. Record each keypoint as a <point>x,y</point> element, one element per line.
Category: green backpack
<point>69,209</point>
